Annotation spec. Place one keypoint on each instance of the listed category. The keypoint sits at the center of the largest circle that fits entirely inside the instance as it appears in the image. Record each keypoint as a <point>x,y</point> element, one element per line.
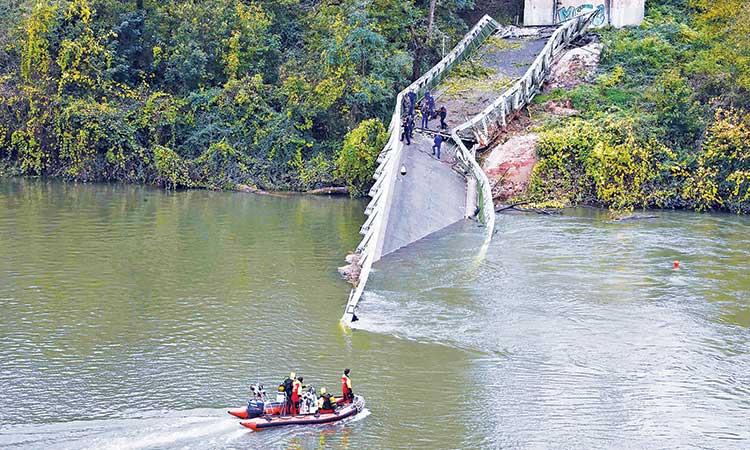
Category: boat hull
<point>266,421</point>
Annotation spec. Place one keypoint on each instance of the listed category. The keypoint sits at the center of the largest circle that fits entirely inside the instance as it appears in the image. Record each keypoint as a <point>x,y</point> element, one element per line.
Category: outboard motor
<point>254,408</point>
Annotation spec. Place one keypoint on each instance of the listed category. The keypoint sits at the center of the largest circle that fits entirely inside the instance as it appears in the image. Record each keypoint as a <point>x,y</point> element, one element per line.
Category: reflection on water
<point>132,318</point>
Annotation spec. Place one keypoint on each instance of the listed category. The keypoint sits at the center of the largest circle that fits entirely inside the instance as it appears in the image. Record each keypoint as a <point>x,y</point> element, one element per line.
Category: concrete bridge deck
<point>433,194</point>
<point>429,197</point>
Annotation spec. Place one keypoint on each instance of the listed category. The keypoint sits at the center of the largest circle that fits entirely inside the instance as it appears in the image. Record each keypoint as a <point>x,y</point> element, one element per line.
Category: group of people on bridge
<point>293,389</point>
<point>424,111</point>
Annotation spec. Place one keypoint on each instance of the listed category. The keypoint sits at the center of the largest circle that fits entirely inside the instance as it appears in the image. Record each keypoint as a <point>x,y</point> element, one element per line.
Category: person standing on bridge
<point>438,143</point>
<point>412,125</point>
<point>425,115</point>
<point>412,101</point>
<point>430,103</point>
<point>443,113</point>
<point>406,133</point>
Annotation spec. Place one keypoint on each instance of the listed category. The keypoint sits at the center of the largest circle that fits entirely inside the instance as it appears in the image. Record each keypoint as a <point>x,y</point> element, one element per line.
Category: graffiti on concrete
<point>568,12</point>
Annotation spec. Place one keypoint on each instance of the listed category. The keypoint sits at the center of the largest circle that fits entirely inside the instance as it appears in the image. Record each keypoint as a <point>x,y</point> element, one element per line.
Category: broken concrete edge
<point>352,270</point>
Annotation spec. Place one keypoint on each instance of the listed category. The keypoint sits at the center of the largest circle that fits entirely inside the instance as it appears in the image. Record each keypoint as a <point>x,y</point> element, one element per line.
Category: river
<point>133,318</point>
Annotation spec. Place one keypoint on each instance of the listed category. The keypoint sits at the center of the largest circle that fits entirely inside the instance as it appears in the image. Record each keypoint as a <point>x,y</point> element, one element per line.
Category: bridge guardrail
<point>370,248</point>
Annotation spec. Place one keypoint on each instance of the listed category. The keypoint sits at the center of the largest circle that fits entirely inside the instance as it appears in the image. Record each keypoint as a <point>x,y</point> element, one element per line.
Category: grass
<point>498,44</point>
<point>473,76</point>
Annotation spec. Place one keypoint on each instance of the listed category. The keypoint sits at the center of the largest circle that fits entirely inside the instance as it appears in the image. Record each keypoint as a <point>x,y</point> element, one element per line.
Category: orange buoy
<point>676,264</point>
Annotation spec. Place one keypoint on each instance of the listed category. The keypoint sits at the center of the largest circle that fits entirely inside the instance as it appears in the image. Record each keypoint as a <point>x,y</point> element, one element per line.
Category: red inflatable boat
<point>270,421</point>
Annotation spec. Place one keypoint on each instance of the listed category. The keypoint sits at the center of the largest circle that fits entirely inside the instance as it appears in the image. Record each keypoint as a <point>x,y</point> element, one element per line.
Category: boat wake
<point>415,319</point>
<point>193,429</point>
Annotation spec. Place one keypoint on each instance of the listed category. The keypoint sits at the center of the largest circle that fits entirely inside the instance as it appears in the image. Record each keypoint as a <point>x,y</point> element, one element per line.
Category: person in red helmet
<point>346,387</point>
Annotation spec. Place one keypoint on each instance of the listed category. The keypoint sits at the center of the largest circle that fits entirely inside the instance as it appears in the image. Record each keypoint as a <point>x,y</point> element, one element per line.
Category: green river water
<point>133,318</point>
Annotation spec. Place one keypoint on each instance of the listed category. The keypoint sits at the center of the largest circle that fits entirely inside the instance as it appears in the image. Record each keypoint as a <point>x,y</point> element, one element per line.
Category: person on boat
<point>326,402</point>
<point>287,386</point>
<point>346,387</point>
<point>296,394</point>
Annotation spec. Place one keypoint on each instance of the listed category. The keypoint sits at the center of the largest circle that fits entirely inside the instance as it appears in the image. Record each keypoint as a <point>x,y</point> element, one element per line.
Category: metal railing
<point>371,247</point>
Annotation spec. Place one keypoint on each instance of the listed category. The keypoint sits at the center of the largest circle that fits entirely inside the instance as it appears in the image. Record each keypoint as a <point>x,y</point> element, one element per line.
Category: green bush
<point>723,175</point>
<point>356,160</point>
<point>220,167</point>
<point>172,171</point>
<point>655,129</point>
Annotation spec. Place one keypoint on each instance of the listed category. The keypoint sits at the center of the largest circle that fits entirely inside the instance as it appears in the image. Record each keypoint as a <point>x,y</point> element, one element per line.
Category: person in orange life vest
<point>346,387</point>
<point>326,402</point>
<point>296,394</point>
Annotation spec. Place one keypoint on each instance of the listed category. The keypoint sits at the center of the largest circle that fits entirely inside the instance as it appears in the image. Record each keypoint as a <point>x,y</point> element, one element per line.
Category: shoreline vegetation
<point>293,96</point>
<point>285,95</point>
<point>665,124</point>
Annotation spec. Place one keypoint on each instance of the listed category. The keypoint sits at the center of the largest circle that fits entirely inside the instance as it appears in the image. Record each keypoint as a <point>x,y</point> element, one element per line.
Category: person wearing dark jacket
<point>442,114</point>
<point>326,402</point>
<point>412,101</point>
<point>438,143</point>
<point>406,133</point>
<point>287,387</point>
<point>425,115</point>
<point>430,104</point>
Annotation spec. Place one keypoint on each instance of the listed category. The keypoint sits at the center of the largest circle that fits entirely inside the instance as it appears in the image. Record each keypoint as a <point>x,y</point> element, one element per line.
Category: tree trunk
<point>419,44</point>
<point>431,19</point>
<point>416,68</point>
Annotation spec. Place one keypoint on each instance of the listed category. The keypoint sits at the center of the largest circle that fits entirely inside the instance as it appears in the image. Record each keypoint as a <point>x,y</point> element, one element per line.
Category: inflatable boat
<point>341,412</point>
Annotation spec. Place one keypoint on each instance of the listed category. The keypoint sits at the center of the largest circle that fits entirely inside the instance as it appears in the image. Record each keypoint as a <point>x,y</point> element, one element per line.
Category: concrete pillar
<point>618,13</point>
<point>625,13</point>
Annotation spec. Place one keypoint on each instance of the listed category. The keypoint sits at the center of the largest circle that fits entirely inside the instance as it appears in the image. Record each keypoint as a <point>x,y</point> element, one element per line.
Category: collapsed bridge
<point>416,194</point>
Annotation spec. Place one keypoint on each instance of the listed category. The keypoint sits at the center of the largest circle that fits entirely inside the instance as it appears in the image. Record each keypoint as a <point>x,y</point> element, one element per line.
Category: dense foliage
<point>208,93</point>
<point>667,122</point>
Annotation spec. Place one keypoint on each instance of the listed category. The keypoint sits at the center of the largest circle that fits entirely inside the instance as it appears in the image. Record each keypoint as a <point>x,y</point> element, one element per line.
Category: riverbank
<point>662,122</point>
<point>510,160</point>
<point>100,90</point>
